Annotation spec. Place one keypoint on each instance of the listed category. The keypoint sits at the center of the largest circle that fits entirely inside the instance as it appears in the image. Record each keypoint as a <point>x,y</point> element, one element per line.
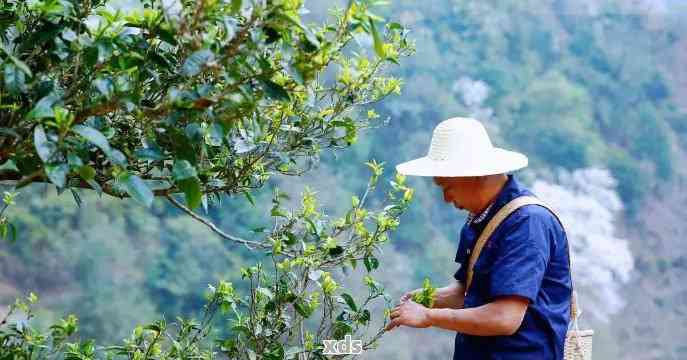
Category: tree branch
<point>251,245</point>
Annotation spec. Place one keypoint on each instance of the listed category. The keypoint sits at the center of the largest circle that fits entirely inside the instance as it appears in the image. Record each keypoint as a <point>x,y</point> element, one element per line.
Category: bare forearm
<point>450,296</point>
<point>485,320</point>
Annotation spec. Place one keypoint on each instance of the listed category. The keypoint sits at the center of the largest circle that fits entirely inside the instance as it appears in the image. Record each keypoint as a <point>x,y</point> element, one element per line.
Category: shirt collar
<point>476,219</point>
<point>511,189</point>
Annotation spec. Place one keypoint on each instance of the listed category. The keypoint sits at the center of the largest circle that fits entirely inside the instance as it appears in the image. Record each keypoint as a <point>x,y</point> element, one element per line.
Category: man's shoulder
<point>533,215</point>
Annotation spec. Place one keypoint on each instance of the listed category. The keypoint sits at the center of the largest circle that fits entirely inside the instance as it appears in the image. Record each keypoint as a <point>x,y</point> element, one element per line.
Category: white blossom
<point>588,204</point>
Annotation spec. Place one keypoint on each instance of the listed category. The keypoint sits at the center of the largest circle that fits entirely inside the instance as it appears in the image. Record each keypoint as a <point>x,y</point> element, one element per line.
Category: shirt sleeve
<point>521,262</point>
<point>461,274</point>
<point>462,259</point>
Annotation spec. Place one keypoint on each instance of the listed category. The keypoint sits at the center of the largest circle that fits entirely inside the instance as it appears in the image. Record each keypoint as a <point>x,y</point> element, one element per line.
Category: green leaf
<point>215,135</point>
<point>69,35</point>
<point>57,173</point>
<point>371,263</point>
<point>302,308</point>
<point>117,157</point>
<point>104,86</point>
<point>311,37</point>
<point>43,108</point>
<point>195,63</point>
<point>191,188</point>
<point>94,136</point>
<point>290,239</point>
<point>15,80</point>
<point>182,147</point>
<point>9,132</point>
<point>74,160</point>
<point>87,172</point>
<point>77,197</point>
<point>395,26</point>
<point>277,212</point>
<point>236,6</point>
<point>44,147</point>
<point>267,292</point>
<point>349,301</point>
<point>183,169</point>
<point>6,229</point>
<point>139,190</point>
<point>9,165</point>
<point>315,275</point>
<point>274,90</point>
<point>336,251</point>
<point>166,35</point>
<point>377,39</point>
<point>98,139</point>
<point>159,60</point>
<point>149,154</point>
<point>341,329</point>
<point>365,317</point>
<point>20,64</point>
<point>95,186</point>
<point>13,232</point>
<point>249,197</point>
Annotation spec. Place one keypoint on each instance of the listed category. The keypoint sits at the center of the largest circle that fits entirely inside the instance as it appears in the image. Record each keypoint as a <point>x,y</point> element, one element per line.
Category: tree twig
<point>213,227</point>
<point>250,244</point>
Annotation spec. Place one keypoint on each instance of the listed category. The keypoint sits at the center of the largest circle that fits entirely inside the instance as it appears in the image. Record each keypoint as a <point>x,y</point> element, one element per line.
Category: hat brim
<point>497,161</point>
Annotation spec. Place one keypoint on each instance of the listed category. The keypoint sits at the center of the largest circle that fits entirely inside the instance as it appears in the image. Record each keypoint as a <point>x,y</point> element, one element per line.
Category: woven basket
<point>578,345</point>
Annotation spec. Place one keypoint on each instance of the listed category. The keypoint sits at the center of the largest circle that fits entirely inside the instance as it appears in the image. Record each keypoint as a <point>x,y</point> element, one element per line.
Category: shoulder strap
<point>494,223</point>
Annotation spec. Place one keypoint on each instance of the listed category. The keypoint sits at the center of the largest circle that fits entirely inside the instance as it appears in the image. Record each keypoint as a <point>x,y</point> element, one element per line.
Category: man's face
<point>457,190</point>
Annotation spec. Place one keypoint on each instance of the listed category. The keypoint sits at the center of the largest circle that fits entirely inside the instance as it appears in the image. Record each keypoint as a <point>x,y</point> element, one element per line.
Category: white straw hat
<point>461,147</point>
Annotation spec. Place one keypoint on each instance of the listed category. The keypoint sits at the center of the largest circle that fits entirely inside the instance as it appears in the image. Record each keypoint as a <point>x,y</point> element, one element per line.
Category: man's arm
<point>450,296</point>
<point>503,316</point>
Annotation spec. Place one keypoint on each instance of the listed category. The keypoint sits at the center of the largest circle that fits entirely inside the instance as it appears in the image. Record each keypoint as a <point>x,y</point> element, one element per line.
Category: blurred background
<point>593,91</point>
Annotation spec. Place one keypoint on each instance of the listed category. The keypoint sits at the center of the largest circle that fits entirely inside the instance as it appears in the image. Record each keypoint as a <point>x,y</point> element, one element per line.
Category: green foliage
<point>282,296</point>
<point>632,180</point>
<point>553,119</point>
<point>562,88</point>
<point>19,340</point>
<point>233,91</point>
<point>212,100</point>
<point>425,297</point>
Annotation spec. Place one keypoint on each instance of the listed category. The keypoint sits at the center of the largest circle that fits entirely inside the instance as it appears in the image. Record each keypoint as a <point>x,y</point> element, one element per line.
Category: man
<point>518,303</point>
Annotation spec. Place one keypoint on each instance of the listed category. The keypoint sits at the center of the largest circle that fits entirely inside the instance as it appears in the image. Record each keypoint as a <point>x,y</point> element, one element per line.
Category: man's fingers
<point>395,317</point>
<point>407,296</point>
<point>393,324</point>
<point>389,326</point>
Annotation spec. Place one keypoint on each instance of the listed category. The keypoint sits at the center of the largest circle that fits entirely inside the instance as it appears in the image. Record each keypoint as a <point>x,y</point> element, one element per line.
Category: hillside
<point>594,92</point>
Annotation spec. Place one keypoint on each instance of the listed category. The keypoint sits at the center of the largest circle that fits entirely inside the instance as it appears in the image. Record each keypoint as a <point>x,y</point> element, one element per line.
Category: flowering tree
<point>203,98</point>
<point>587,202</point>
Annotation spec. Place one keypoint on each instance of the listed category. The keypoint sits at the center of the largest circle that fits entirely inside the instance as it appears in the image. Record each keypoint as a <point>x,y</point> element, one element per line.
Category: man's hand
<point>409,313</point>
<point>409,295</point>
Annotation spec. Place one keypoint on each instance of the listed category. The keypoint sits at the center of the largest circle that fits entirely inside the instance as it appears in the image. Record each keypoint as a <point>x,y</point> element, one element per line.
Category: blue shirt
<point>527,256</point>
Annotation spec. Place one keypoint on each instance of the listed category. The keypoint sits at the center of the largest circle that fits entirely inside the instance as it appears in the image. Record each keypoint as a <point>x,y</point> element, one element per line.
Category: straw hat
<point>461,147</point>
